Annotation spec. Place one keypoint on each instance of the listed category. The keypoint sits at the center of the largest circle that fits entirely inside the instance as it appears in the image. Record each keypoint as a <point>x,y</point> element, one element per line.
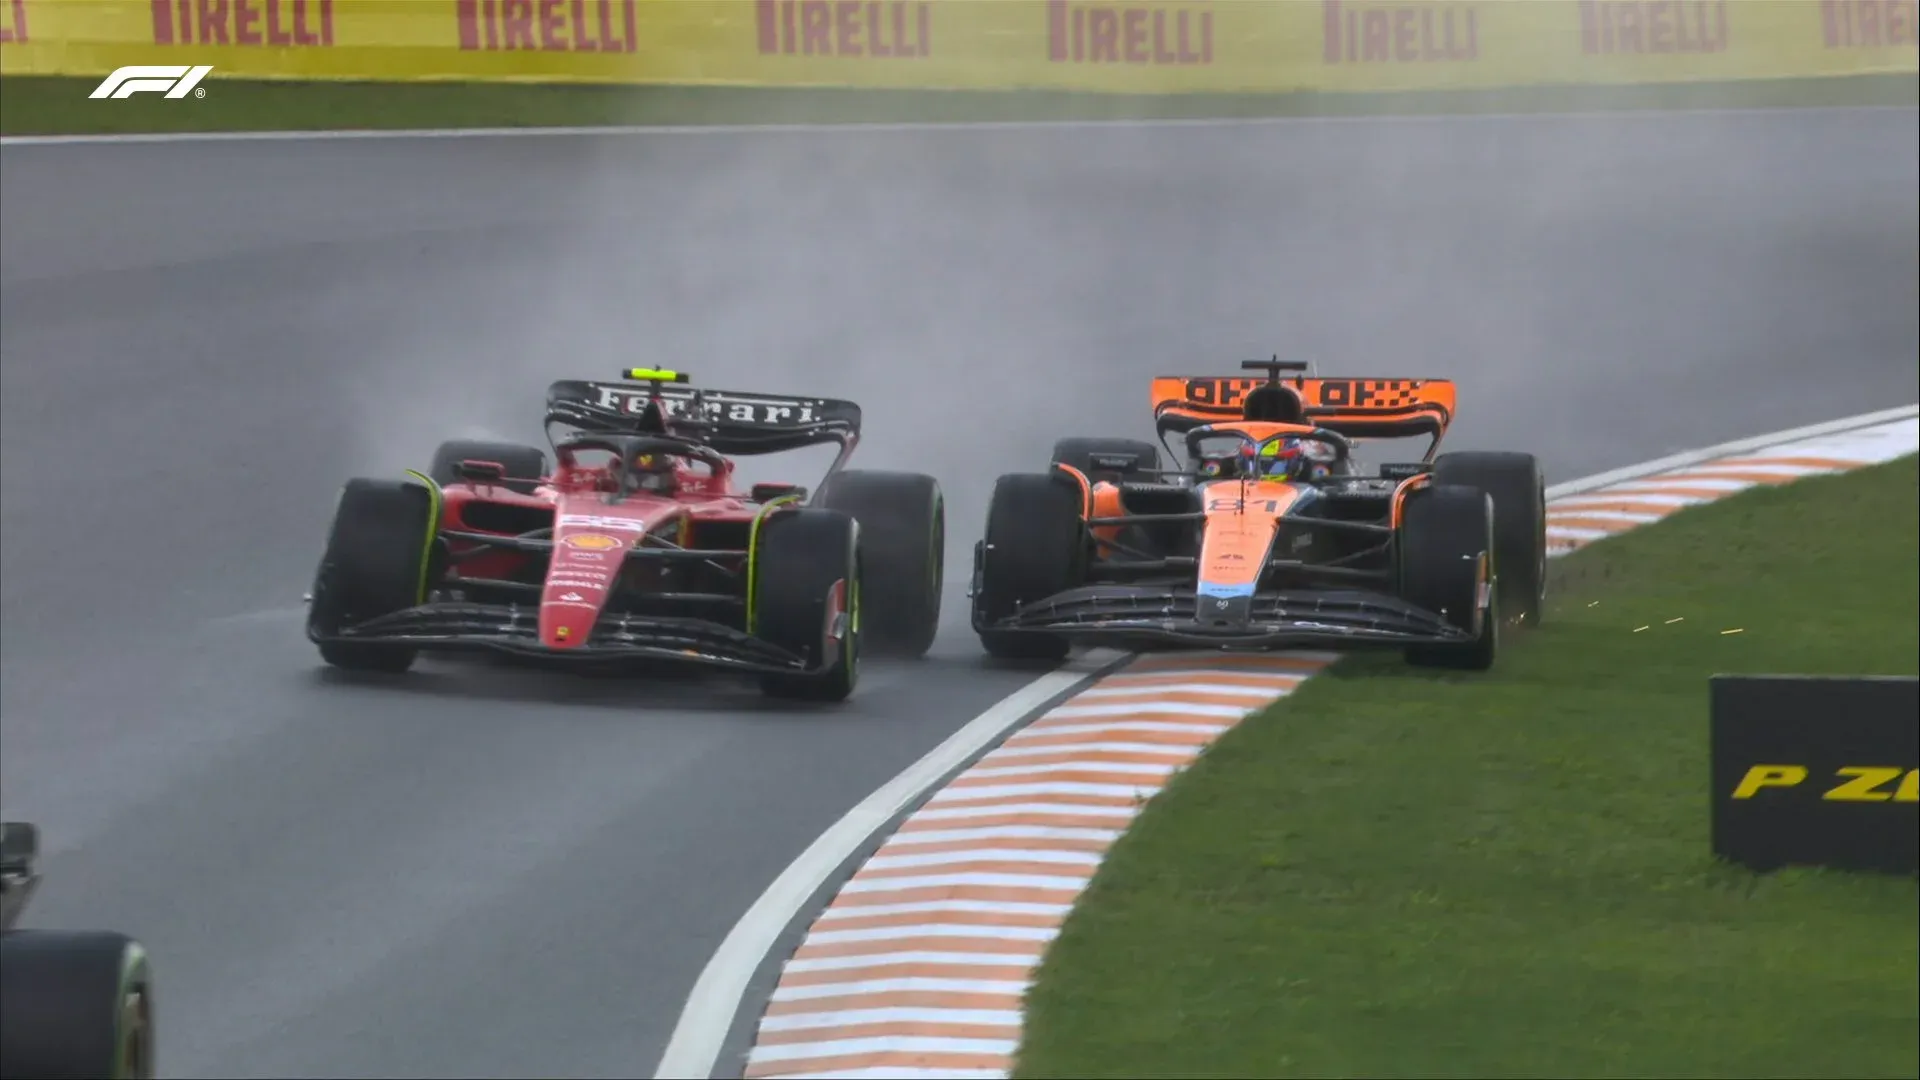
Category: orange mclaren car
<point>1270,535</point>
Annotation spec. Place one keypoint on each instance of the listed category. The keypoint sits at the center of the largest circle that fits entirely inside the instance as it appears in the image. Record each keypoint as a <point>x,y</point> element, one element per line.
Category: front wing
<point>617,638</point>
<point>1132,617</point>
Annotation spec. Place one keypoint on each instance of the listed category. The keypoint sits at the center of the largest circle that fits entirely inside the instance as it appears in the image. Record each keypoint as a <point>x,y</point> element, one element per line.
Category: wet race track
<point>474,870</point>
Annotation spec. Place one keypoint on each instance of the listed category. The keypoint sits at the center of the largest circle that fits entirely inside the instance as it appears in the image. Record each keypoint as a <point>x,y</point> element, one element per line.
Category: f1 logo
<point>178,80</point>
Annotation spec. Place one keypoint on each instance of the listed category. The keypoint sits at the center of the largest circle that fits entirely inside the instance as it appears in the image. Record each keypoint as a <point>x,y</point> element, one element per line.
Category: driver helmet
<point>1288,458</point>
<point>651,472</point>
<point>1279,459</point>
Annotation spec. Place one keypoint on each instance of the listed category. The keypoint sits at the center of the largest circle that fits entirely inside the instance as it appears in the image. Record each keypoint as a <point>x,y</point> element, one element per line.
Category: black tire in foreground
<point>1106,459</point>
<point>75,1006</point>
<point>801,556</point>
<point>1446,532</point>
<point>525,465</point>
<point>1035,546</point>
<point>375,562</point>
<point>903,553</point>
<point>1519,493</point>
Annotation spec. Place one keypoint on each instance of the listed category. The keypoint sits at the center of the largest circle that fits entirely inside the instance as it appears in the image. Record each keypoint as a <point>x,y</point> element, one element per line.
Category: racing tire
<point>1035,546</point>
<point>799,559</point>
<point>1444,532</point>
<point>374,565</point>
<point>903,553</point>
<point>1080,453</point>
<point>75,1006</point>
<point>525,465</point>
<point>1519,493</point>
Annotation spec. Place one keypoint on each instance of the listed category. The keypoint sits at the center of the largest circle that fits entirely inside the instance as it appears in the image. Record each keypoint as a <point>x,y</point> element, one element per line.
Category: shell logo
<point>592,542</point>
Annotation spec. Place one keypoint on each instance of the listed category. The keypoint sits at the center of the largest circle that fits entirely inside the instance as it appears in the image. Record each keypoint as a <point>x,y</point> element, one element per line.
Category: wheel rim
<point>135,1057</point>
<point>936,565</point>
<point>853,624</point>
<point>1493,613</point>
<point>1540,549</point>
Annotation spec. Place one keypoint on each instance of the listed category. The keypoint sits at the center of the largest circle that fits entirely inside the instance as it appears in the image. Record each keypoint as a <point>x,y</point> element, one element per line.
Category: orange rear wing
<point>1359,408</point>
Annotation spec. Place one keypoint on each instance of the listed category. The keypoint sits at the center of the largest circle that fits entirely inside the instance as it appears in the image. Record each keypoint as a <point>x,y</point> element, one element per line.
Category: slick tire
<point>374,564</point>
<point>75,1006</point>
<point>1443,535</point>
<point>1519,493</point>
<point>525,465</point>
<point>903,554</point>
<point>1035,546</point>
<point>801,557</point>
<point>1098,457</point>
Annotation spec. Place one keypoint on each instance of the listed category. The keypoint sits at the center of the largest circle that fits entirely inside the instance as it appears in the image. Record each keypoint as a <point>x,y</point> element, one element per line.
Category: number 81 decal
<point>1271,506</point>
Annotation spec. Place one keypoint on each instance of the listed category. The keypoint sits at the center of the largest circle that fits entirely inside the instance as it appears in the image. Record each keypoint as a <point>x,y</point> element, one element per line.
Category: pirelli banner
<point>1118,45</point>
<point>1816,771</point>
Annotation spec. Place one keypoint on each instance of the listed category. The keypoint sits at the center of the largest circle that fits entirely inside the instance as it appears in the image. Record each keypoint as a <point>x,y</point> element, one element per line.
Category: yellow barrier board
<point>1129,46</point>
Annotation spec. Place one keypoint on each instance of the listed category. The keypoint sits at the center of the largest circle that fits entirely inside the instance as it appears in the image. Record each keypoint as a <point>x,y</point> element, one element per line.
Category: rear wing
<point>729,421</point>
<point>1364,408</point>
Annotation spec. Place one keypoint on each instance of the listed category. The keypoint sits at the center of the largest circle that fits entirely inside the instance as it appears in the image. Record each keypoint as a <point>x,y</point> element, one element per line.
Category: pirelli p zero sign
<point>1816,772</point>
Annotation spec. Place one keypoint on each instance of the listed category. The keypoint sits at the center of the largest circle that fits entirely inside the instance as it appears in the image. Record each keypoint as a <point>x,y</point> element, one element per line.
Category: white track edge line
<point>709,1013</point>
<point>1737,446</point>
<point>694,1048</point>
<point>914,127</point>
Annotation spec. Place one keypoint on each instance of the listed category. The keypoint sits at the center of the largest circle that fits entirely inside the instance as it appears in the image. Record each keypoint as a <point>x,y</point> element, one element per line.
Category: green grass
<point>1396,873</point>
<point>46,105</point>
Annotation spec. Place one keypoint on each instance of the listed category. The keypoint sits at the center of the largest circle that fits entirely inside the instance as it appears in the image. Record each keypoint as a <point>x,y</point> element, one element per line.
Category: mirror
<point>19,843</point>
<point>767,492</point>
<point>481,470</point>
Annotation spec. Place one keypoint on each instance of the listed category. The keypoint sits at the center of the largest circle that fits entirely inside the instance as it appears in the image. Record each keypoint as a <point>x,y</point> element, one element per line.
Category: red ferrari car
<point>638,547</point>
